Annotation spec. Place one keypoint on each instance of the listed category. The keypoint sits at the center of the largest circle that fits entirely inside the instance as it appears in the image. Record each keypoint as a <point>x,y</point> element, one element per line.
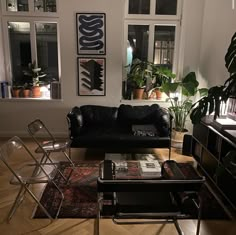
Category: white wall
<point>219,25</point>
<point>15,115</point>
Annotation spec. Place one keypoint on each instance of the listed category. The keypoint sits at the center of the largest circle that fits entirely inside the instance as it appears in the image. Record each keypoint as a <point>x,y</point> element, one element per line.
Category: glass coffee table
<point>132,195</point>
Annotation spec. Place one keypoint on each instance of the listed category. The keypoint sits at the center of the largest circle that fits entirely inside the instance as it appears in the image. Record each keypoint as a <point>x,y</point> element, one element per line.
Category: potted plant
<point>137,77</point>
<point>217,95</point>
<point>160,75</point>
<point>16,90</point>
<point>180,95</point>
<point>36,73</point>
<point>26,90</point>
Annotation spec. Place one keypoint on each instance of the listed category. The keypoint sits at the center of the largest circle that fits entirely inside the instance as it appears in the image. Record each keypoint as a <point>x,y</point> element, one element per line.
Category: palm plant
<point>218,94</point>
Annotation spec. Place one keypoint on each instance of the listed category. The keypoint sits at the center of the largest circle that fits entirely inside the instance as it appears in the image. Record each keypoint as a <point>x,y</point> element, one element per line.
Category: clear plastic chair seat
<point>31,175</point>
<point>53,146</point>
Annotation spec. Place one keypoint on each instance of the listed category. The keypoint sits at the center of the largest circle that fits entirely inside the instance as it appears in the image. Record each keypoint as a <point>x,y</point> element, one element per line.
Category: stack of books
<point>150,168</point>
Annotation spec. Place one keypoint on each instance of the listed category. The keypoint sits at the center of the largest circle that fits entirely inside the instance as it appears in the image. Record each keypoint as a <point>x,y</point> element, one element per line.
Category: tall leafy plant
<point>218,94</point>
<point>181,95</point>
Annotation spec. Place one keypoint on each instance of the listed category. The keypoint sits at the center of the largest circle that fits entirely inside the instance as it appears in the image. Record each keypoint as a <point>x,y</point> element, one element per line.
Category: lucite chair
<point>48,144</point>
<point>29,173</point>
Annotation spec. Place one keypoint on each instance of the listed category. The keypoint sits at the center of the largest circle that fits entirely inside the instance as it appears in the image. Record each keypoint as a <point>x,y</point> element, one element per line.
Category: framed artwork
<point>91,76</point>
<point>91,33</point>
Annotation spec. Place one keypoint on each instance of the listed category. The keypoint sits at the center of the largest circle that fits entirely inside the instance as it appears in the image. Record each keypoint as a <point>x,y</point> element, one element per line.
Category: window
<point>152,32</point>
<point>24,5</point>
<point>32,47</point>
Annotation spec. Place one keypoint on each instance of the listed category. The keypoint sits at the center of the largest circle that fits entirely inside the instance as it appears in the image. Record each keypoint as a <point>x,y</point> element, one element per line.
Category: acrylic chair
<point>48,144</point>
<point>30,173</point>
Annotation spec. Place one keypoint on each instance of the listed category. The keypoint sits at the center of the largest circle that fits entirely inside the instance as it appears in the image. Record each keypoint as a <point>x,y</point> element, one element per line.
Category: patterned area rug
<point>81,196</point>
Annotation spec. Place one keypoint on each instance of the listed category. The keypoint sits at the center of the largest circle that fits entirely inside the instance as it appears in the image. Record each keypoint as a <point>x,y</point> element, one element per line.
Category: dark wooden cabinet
<point>209,148</point>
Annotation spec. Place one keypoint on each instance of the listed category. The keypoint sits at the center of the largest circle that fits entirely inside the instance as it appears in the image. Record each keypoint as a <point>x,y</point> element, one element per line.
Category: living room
<point>206,30</point>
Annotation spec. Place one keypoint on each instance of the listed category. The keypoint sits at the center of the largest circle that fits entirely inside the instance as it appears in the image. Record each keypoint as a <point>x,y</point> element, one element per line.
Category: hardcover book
<point>150,167</point>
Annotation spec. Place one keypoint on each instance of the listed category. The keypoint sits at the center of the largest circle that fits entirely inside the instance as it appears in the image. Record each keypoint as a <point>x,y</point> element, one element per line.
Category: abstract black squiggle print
<point>91,31</point>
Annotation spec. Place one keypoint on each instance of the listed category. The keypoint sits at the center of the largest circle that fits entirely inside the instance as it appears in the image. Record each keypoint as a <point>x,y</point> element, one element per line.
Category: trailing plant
<point>218,94</point>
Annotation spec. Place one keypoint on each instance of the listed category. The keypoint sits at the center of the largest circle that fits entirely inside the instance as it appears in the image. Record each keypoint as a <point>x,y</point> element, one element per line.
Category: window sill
<point>27,99</point>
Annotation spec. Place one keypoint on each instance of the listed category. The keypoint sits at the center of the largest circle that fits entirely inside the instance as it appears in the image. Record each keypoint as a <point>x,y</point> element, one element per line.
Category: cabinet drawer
<point>209,163</point>
<point>200,132</point>
<point>227,183</point>
<point>196,150</point>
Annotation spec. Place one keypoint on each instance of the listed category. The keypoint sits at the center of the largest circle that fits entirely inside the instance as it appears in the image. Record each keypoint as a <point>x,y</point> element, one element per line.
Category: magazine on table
<point>150,167</point>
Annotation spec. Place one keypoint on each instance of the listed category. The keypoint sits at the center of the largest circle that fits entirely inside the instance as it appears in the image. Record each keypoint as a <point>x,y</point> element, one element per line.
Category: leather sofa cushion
<point>130,115</point>
<point>98,115</point>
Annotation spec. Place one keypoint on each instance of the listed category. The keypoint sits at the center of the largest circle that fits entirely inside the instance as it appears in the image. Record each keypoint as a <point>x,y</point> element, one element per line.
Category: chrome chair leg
<point>180,232</point>
<point>16,204</point>
<point>199,216</point>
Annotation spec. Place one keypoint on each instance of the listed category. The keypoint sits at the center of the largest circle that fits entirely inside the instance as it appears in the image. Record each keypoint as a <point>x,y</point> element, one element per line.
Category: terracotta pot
<point>158,94</point>
<point>138,93</point>
<point>26,93</point>
<point>16,92</point>
<point>36,93</point>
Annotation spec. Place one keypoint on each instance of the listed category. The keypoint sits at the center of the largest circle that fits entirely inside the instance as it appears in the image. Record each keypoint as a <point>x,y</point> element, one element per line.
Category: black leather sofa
<point>93,126</point>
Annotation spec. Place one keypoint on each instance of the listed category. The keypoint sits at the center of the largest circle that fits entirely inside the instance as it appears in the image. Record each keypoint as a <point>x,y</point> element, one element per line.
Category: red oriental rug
<point>81,195</point>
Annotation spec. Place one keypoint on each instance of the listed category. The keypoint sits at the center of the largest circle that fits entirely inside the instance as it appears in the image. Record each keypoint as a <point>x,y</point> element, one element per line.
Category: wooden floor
<point>22,223</point>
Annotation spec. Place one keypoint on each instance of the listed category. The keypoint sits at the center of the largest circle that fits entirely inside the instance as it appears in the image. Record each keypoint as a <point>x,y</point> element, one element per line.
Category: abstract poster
<point>91,38</point>
<point>91,76</point>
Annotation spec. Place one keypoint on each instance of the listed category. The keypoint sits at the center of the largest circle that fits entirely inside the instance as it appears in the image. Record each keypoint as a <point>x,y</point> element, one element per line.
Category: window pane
<point>166,7</point>
<point>46,37</point>
<point>164,42</point>
<point>45,6</point>
<point>17,5</point>
<point>19,36</point>
<point>138,41</point>
<point>139,6</point>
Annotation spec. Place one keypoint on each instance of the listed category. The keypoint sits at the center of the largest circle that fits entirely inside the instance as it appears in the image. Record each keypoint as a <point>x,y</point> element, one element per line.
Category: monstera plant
<point>218,94</point>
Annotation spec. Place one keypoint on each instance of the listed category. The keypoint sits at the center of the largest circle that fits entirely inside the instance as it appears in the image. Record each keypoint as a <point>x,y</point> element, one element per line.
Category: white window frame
<point>33,43</point>
<point>31,11</point>
<point>32,17</point>
<point>153,20</point>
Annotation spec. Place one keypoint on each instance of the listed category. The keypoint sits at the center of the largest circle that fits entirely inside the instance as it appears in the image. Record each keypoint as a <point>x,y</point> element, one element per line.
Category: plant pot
<point>158,94</point>
<point>178,138</point>
<point>26,93</point>
<point>16,93</point>
<point>36,93</point>
<point>138,93</point>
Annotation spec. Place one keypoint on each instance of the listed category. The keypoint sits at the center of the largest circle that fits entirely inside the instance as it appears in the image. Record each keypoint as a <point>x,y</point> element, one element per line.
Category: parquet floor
<point>22,223</point>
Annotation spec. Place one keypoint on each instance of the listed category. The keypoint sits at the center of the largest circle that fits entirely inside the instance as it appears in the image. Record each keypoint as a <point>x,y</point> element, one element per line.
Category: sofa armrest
<point>75,122</point>
<point>164,122</point>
